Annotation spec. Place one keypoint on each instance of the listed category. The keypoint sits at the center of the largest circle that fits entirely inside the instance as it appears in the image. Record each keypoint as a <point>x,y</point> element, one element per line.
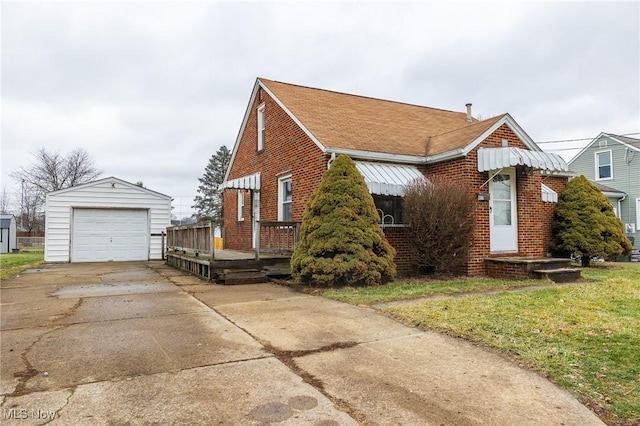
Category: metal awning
<point>387,179</point>
<point>244,182</point>
<point>548,194</point>
<point>498,158</point>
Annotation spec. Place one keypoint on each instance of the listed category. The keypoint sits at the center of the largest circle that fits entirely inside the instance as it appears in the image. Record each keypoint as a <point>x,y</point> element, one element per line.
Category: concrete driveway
<point>142,343</point>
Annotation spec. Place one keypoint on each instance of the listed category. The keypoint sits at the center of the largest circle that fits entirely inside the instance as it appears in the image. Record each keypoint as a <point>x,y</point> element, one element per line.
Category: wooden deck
<point>192,249</point>
<point>231,266</point>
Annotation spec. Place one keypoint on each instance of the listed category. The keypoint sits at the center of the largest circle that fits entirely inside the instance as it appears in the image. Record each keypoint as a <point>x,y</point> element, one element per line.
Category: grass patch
<point>412,289</point>
<point>584,337</point>
<point>12,264</point>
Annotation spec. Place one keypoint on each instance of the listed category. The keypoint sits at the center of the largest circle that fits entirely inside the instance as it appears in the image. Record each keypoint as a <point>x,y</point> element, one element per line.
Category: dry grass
<point>13,263</point>
<point>584,337</point>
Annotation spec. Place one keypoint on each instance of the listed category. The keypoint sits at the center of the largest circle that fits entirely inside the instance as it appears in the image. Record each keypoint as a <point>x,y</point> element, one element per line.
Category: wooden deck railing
<point>277,237</point>
<point>195,239</point>
<point>198,239</point>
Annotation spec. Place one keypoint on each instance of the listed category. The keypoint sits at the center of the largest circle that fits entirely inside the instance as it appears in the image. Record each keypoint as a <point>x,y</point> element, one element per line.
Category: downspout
<point>620,200</point>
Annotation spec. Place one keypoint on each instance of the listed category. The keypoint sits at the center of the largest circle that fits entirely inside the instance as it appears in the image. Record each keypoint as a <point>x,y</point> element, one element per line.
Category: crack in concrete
<point>29,372</point>
<point>71,310</point>
<point>287,358</point>
<point>57,414</point>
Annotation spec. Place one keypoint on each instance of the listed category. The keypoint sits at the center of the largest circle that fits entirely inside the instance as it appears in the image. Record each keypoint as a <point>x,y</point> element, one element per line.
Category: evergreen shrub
<point>341,242</point>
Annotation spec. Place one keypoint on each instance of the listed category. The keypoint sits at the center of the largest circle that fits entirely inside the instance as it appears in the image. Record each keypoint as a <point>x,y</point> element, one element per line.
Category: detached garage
<point>103,221</point>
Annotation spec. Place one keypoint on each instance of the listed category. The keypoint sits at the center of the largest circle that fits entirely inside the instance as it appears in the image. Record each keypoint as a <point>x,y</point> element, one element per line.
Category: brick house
<point>290,133</point>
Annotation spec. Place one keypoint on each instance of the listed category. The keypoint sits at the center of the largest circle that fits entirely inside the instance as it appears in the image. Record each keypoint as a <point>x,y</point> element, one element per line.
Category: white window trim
<point>240,206</point>
<point>281,180</point>
<point>597,163</point>
<point>637,215</point>
<point>261,126</point>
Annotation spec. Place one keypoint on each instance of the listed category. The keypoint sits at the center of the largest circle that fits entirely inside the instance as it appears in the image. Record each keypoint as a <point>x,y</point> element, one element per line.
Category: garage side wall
<point>107,194</point>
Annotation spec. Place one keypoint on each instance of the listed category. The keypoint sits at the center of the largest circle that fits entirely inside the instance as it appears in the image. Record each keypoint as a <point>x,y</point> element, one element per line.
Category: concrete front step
<point>560,275</point>
<point>530,267</point>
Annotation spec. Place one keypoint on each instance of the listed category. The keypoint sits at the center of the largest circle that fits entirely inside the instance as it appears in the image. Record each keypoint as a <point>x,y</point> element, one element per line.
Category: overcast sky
<point>152,89</point>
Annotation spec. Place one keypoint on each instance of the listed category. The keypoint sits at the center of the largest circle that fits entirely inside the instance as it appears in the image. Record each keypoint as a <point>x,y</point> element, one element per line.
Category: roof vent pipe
<point>469,119</point>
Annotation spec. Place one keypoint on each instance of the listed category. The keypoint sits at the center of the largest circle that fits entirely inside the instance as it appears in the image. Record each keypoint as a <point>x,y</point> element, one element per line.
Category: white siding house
<point>8,240</point>
<point>105,220</point>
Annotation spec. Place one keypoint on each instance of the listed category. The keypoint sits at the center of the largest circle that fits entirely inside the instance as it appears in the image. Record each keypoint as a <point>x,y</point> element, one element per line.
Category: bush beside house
<point>440,218</point>
<point>341,242</point>
<point>585,224</point>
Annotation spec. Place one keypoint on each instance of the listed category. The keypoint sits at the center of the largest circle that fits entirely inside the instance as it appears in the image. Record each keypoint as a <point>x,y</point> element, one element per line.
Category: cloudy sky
<point>152,89</point>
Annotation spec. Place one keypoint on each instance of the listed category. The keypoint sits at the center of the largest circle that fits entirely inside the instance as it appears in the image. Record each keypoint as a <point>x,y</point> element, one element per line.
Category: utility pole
<point>22,206</point>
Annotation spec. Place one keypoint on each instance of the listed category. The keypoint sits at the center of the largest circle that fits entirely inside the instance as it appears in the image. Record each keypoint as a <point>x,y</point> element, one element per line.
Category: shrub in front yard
<point>440,217</point>
<point>341,242</point>
<point>585,224</point>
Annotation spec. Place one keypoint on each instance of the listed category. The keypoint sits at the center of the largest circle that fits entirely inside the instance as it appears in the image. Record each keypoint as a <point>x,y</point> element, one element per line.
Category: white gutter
<point>378,156</point>
<point>450,155</point>
<point>397,158</point>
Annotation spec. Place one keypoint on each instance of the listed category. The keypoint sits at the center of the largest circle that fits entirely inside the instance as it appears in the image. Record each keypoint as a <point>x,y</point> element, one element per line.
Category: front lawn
<point>585,337</point>
<point>14,263</point>
<point>413,289</point>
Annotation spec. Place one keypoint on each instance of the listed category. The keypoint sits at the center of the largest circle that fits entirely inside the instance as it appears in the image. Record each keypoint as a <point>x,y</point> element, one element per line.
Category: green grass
<point>13,263</point>
<point>413,289</point>
<point>585,337</point>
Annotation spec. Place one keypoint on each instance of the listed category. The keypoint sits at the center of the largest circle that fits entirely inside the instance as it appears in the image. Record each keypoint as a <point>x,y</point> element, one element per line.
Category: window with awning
<point>388,179</point>
<point>498,158</point>
<point>245,182</point>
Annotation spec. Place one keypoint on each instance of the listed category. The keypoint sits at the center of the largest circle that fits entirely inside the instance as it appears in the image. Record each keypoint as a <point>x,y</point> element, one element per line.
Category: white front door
<point>255,217</point>
<point>503,218</point>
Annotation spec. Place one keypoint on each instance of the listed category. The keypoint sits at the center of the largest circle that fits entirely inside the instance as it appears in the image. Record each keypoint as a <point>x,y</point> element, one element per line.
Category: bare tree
<point>5,200</point>
<point>31,215</point>
<point>52,171</point>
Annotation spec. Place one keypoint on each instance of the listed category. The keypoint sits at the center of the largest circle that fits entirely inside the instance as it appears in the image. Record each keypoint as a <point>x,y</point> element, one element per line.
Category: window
<point>285,198</point>
<point>261,127</point>
<point>604,168</point>
<point>389,208</point>
<point>240,206</point>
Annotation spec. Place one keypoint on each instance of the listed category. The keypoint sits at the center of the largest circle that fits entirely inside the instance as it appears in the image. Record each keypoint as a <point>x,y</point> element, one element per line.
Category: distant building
<point>8,240</point>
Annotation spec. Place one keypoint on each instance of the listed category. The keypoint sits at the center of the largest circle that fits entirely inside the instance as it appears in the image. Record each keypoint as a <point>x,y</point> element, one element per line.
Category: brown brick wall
<point>534,216</point>
<point>405,259</point>
<point>287,150</point>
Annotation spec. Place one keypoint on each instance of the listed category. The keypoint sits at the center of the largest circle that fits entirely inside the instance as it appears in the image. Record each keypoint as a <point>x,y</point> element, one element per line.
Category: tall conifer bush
<point>341,242</point>
<point>585,224</point>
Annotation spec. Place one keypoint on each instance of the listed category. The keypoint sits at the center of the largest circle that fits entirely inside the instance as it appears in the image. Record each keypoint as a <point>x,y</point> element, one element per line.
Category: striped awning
<point>387,179</point>
<point>498,158</point>
<point>548,194</point>
<point>244,182</point>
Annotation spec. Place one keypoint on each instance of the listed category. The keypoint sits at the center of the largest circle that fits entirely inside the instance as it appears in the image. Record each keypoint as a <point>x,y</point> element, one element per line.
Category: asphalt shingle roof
<point>344,121</point>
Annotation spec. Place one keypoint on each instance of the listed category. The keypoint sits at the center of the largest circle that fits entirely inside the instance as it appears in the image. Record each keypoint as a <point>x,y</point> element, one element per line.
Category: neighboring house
<point>290,133</point>
<point>612,162</point>
<point>105,220</point>
<point>8,233</point>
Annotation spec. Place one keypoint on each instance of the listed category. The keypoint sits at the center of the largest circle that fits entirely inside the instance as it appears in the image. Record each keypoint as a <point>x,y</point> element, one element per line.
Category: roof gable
<point>358,123</point>
<point>377,129</point>
<point>622,140</point>
<point>113,181</point>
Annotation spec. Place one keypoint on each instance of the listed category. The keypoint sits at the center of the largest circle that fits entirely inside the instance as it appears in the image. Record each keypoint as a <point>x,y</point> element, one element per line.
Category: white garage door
<point>102,235</point>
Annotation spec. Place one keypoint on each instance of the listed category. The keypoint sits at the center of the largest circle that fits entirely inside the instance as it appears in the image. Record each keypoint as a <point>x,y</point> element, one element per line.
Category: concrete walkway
<point>142,343</point>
